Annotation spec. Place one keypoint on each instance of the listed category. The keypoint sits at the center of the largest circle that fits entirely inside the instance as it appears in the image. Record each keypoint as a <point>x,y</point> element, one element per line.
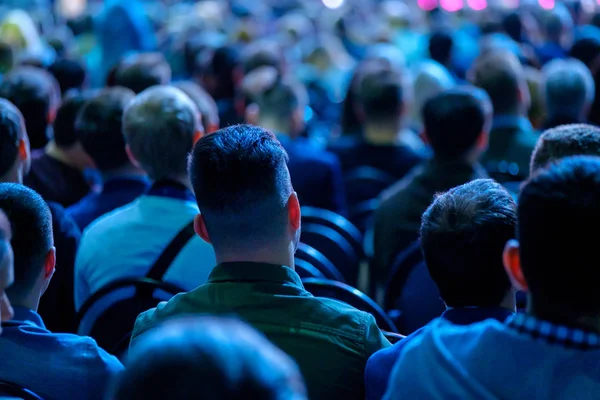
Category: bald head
<point>160,126</point>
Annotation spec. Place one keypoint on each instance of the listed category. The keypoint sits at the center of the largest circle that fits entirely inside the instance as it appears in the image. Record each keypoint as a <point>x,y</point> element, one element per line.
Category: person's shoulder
<point>180,304</point>
<point>344,314</point>
<point>110,221</point>
<point>85,352</point>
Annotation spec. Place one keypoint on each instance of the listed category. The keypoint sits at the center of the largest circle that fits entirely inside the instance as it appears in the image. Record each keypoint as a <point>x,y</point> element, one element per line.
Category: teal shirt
<point>329,340</point>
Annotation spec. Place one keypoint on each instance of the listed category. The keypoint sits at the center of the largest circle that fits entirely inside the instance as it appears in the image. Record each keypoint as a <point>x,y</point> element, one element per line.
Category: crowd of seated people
<point>291,200</point>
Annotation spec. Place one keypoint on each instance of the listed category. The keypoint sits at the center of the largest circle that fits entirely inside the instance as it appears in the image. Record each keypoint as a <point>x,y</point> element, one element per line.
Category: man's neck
<point>275,126</point>
<point>66,156</point>
<point>124,171</point>
<point>382,134</point>
<point>183,179</point>
<point>260,254</point>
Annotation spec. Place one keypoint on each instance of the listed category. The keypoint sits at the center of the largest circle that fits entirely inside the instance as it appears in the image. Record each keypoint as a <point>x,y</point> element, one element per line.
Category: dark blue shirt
<point>116,192</point>
<point>55,366</point>
<point>380,365</point>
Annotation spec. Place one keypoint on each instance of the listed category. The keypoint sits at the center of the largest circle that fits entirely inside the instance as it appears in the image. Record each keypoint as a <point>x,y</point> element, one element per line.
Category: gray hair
<point>431,79</point>
<point>159,126</point>
<point>568,87</point>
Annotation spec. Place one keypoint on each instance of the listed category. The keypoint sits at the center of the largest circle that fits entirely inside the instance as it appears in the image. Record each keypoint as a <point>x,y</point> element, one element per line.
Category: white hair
<point>568,87</point>
<point>431,78</point>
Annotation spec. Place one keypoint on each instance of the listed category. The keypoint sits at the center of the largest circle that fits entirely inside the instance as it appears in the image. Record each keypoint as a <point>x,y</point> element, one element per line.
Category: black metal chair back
<point>11,390</point>
<point>306,270</point>
<point>319,261</point>
<point>312,215</point>
<point>362,213</point>
<point>365,183</point>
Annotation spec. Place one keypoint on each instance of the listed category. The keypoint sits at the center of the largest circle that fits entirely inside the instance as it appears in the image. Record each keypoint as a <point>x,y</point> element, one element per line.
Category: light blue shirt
<point>53,365</point>
<point>126,242</point>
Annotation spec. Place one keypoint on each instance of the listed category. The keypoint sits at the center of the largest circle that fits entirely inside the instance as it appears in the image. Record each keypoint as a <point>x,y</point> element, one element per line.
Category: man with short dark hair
<point>251,215</point>
<point>206,104</point>
<point>69,73</point>
<point>457,124</point>
<point>558,340</point>
<point>463,233</point>
<point>316,174</point>
<point>53,365</point>
<point>512,137</point>
<point>142,71</point>
<point>160,126</point>
<point>564,141</point>
<point>99,129</point>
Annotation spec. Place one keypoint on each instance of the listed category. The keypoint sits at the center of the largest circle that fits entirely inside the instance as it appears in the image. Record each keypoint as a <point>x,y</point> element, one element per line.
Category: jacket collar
<point>255,272</point>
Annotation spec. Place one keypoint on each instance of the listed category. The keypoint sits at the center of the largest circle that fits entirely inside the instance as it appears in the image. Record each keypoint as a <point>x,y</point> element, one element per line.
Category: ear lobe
<point>23,150</point>
<point>197,136</point>
<point>51,116</point>
<point>50,264</point>
<point>512,265</point>
<point>482,141</point>
<point>200,228</point>
<point>132,158</point>
<point>294,213</point>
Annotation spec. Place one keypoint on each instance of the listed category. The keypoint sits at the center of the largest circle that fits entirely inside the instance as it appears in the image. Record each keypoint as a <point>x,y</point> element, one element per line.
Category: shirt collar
<point>23,315</point>
<point>255,272</point>
<point>470,315</point>
<point>119,183</point>
<point>503,121</point>
<point>553,333</point>
<point>172,189</point>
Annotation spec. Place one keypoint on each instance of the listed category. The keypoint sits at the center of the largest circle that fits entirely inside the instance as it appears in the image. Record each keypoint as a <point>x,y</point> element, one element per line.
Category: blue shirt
<point>522,358</point>
<point>116,192</point>
<point>55,366</point>
<point>126,242</point>
<point>380,365</point>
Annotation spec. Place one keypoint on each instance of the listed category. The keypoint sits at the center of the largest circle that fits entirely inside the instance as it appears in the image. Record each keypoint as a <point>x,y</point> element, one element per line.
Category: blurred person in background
<point>142,71</point>
<point>69,73</point>
<point>206,105</point>
<point>558,27</point>
<point>537,111</point>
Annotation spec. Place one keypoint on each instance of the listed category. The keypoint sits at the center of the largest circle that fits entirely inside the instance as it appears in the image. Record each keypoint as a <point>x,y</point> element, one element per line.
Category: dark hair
<point>440,47</point>
<point>586,50</point>
<point>281,100</point>
<point>12,129</point>
<point>242,184</point>
<point>513,26</point>
<point>33,91</point>
<point>453,121</point>
<point>463,234</point>
<point>222,66</point>
<point>381,94</point>
<point>261,54</point>
<point>208,358</point>
<point>142,71</point>
<point>557,208</point>
<point>206,104</point>
<point>32,238</point>
<point>7,57</point>
<point>99,127</point>
<point>64,124</point>
<point>70,74</point>
<point>564,141</point>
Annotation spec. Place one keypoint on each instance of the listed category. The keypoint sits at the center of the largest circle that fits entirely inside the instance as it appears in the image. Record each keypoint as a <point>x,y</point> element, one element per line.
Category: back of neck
<point>382,134</point>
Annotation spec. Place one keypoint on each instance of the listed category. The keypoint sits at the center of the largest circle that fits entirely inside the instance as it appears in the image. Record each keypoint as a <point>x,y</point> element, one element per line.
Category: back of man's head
<point>160,126</point>
<point>381,95</point>
<point>282,101</point>
<point>565,141</point>
<point>209,358</point>
<point>455,121</point>
<point>262,53</point>
<point>99,127</point>
<point>569,88</point>
<point>205,103</point>
<point>70,74</point>
<point>501,75</point>
<point>440,47</point>
<point>32,238</point>
<point>242,186</point>
<point>463,234</point>
<point>142,71</point>
<point>557,211</point>
<point>34,92</point>
<point>65,135</point>
<point>12,132</point>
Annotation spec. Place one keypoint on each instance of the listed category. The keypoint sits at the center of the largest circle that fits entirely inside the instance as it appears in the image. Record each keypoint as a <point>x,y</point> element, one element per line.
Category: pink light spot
<point>428,5</point>
<point>479,5</point>
<point>451,5</point>
<point>547,4</point>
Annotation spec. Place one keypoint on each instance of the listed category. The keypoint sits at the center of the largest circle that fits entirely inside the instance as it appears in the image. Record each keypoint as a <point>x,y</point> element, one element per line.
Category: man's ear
<point>23,150</point>
<point>424,137</point>
<point>51,116</point>
<point>132,158</point>
<point>482,141</point>
<point>252,114</point>
<point>50,263</point>
<point>212,128</point>
<point>294,214</point>
<point>197,136</point>
<point>512,265</point>
<point>200,228</point>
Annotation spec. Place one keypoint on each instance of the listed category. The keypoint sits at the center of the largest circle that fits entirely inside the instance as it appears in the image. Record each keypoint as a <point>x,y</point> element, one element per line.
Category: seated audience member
<point>142,71</point>
<point>251,215</point>
<point>7,274</point>
<point>69,73</point>
<point>456,126</point>
<point>99,129</point>
<point>57,307</point>
<point>463,234</point>
<point>53,365</point>
<point>383,104</point>
<point>556,344</point>
<point>558,27</point>
<point>160,126</point>
<point>316,174</point>
<point>7,58</point>
<point>208,358</point>
<point>431,79</point>
<point>206,105</point>
<point>569,92</point>
<point>512,138</point>
<point>537,110</point>
<point>57,168</point>
<point>564,141</point>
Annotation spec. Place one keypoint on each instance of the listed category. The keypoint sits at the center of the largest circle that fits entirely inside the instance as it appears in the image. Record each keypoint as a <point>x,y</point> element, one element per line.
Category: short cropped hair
<point>33,91</point>
<point>261,53</point>
<point>70,74</point>
<point>65,135</point>
<point>454,120</point>
<point>281,100</point>
<point>142,71</point>
<point>242,185</point>
<point>381,94</point>
<point>99,127</point>
<point>205,103</point>
<point>564,141</point>
<point>557,207</point>
<point>463,234</point>
<point>440,47</point>
<point>32,238</point>
<point>159,126</point>
<point>12,129</point>
<point>568,87</point>
<point>208,358</point>
<point>501,75</point>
